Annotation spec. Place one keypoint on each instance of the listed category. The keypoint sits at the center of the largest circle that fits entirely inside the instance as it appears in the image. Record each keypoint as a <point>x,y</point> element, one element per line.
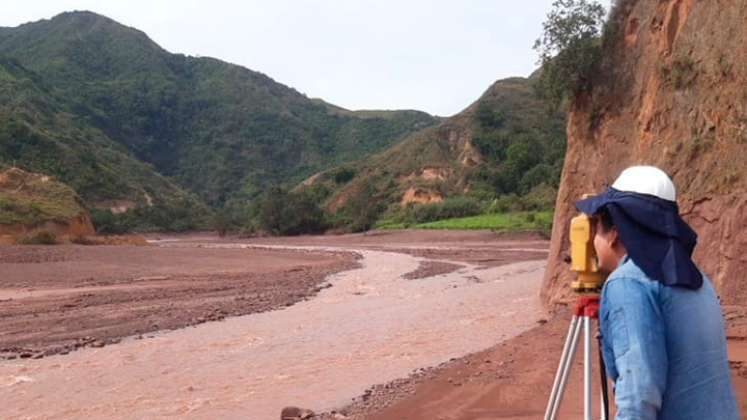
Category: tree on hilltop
<point>569,48</point>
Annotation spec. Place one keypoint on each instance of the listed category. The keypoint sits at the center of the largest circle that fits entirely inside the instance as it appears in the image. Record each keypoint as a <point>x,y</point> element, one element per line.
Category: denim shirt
<point>665,348</point>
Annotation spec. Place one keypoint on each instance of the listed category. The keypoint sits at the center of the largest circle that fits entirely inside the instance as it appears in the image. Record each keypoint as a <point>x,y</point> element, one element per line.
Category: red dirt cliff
<point>672,92</point>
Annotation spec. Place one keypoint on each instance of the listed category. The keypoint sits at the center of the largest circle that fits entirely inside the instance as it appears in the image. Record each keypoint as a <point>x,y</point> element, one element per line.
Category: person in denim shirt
<point>663,337</point>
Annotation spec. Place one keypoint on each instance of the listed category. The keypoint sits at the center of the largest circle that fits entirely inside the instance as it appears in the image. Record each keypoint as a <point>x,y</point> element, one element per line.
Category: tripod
<point>587,308</point>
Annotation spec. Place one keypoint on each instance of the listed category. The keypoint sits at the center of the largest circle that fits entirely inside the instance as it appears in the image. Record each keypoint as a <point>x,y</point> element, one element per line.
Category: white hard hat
<point>646,180</point>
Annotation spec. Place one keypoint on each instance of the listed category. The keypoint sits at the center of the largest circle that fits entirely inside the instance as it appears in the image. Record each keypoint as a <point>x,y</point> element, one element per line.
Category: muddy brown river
<point>371,326</point>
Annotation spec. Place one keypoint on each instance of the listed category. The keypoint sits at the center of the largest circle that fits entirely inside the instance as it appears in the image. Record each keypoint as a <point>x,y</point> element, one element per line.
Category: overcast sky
<point>433,55</point>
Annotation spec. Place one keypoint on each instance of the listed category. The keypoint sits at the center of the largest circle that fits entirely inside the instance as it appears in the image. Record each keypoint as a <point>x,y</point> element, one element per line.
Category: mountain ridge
<point>220,130</point>
<point>468,154</point>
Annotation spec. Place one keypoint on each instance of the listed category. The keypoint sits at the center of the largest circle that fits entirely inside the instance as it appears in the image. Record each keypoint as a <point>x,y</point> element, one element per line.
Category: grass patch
<point>31,199</point>
<point>388,225</point>
<point>501,222</point>
<point>17,209</point>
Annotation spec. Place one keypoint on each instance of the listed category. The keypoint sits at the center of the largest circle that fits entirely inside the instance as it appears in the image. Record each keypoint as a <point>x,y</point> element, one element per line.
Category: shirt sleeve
<point>635,332</point>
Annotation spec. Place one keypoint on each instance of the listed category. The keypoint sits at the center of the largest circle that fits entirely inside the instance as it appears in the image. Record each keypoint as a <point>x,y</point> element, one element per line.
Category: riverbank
<point>509,381</point>
<point>413,301</point>
<point>57,299</point>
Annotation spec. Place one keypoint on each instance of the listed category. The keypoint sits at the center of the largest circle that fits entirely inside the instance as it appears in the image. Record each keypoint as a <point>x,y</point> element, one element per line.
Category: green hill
<point>136,129</point>
<point>219,130</point>
<point>40,132</point>
<point>506,146</point>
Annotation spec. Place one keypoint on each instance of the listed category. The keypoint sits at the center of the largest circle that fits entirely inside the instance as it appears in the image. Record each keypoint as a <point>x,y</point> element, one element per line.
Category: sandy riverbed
<point>371,326</point>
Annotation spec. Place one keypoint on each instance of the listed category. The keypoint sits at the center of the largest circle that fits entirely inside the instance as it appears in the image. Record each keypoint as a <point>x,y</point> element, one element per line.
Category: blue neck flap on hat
<point>655,236</point>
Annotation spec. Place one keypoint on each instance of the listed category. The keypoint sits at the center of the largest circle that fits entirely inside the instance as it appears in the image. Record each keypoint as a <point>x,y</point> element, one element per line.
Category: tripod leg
<point>603,377</point>
<point>561,365</point>
<point>603,411</point>
<point>564,369</point>
<point>587,369</point>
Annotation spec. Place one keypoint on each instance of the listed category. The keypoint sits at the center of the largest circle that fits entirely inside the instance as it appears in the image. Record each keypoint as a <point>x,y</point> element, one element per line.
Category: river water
<point>370,327</point>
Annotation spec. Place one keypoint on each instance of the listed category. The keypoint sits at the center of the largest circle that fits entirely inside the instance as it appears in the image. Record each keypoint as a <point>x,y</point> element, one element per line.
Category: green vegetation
<point>193,143</point>
<point>503,154</point>
<point>105,110</point>
<point>219,130</point>
<point>522,148</point>
<point>298,212</point>
<point>570,49</point>
<point>294,213</point>
<point>30,211</point>
<point>30,200</point>
<point>181,215</point>
<point>452,207</point>
<point>40,238</point>
<point>681,73</point>
<point>502,222</point>
<point>39,134</point>
<point>277,212</point>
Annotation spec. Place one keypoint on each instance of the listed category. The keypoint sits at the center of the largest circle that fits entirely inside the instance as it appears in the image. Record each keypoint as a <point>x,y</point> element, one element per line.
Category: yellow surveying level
<point>587,284</point>
<point>583,257</point>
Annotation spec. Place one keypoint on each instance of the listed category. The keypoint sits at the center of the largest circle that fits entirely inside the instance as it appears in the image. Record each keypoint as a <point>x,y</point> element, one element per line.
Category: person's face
<point>605,246</point>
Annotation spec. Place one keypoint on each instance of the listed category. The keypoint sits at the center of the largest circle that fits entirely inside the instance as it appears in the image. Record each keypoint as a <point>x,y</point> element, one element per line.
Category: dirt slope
<point>672,92</point>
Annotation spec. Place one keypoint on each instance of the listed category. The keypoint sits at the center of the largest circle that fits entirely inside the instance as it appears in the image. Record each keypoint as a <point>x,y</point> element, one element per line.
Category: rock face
<point>672,93</point>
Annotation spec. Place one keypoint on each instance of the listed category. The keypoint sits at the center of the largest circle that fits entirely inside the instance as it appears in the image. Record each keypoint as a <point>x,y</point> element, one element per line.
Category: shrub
<point>534,177</point>
<point>681,74</point>
<point>343,175</point>
<point>109,223</point>
<point>362,210</point>
<point>460,207</point>
<point>488,118</point>
<point>291,213</point>
<point>615,24</point>
<point>545,227</point>
<point>177,216</point>
<point>505,204</point>
<point>492,146</point>
<point>41,237</point>
<point>221,222</point>
<point>540,198</point>
<point>448,209</point>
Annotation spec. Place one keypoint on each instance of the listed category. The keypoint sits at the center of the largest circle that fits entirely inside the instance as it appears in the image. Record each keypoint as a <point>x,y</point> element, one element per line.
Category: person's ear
<point>614,238</point>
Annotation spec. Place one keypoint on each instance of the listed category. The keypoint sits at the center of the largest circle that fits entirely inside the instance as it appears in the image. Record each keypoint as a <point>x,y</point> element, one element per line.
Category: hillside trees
<point>569,48</point>
<point>106,110</point>
<point>362,210</point>
<point>291,213</point>
<point>520,156</point>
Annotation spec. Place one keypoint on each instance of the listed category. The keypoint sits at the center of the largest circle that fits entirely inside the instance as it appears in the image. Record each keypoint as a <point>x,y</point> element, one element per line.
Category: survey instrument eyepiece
<point>583,257</point>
